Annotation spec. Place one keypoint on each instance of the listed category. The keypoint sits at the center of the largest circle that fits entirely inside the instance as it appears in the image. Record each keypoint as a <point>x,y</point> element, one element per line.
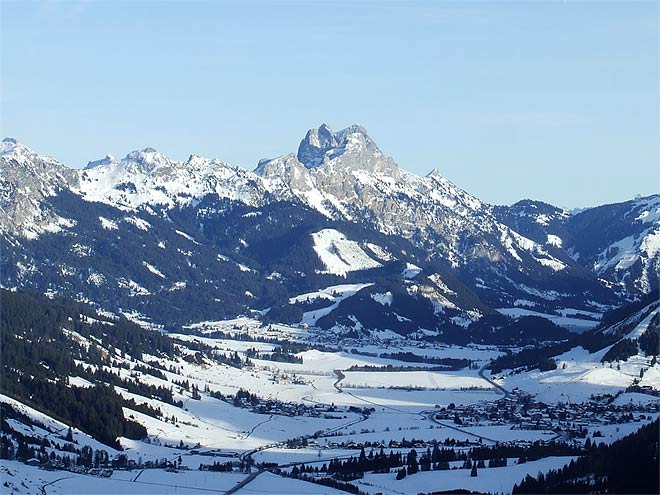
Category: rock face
<point>313,147</point>
<point>348,150</point>
<point>26,179</point>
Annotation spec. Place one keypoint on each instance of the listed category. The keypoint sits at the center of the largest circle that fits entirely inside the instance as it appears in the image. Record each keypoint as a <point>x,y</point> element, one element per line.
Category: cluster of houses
<point>570,420</point>
<point>293,409</point>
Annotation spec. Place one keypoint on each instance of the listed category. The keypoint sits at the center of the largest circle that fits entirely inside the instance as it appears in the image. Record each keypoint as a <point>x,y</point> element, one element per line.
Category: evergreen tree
<point>413,466</point>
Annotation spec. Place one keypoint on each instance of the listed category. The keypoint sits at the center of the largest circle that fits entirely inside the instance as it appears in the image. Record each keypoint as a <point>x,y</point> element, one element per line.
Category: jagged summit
<point>314,145</point>
<point>10,145</point>
<point>350,149</point>
<point>435,174</point>
<point>26,180</point>
<point>148,159</point>
<point>15,152</point>
<point>148,177</point>
<point>106,160</point>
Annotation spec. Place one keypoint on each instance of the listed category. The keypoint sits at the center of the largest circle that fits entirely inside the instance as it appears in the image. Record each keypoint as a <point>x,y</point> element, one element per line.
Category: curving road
<point>496,385</point>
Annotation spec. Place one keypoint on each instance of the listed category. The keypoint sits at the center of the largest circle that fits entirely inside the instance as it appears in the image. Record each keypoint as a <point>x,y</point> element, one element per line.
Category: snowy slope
<point>581,373</point>
<point>618,242</point>
<point>340,255</point>
<point>634,260</point>
<point>346,172</point>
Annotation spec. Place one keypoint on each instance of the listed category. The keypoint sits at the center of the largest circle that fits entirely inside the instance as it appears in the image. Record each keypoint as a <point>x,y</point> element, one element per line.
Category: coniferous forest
<point>38,358</point>
<point>629,465</point>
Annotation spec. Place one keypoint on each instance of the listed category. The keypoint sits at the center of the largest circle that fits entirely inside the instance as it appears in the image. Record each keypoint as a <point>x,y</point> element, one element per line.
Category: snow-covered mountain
<point>147,177</point>
<point>620,242</point>
<point>26,180</point>
<point>150,235</point>
<point>345,175</point>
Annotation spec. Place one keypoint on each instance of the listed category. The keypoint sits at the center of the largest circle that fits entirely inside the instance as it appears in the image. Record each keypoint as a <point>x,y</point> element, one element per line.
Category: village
<point>568,420</point>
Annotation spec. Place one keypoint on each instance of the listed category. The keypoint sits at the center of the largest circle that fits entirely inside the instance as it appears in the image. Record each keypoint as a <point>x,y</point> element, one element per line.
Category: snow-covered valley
<point>275,418</point>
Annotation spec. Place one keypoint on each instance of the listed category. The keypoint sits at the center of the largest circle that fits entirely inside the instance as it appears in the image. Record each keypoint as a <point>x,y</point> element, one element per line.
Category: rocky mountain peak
<point>17,160</point>
<point>350,149</point>
<point>315,144</point>
<point>11,145</point>
<point>434,174</point>
<point>148,159</point>
<point>105,161</point>
<point>287,171</point>
<point>342,136</point>
<point>27,178</point>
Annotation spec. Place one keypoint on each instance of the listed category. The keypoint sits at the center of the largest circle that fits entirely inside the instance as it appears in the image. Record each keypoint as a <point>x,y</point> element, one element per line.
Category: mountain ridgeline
<point>180,242</point>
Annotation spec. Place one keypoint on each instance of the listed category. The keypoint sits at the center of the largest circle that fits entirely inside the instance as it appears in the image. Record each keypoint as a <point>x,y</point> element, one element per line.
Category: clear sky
<point>556,101</point>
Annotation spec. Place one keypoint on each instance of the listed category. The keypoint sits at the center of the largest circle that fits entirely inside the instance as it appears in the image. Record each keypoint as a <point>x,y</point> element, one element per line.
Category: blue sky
<point>556,101</point>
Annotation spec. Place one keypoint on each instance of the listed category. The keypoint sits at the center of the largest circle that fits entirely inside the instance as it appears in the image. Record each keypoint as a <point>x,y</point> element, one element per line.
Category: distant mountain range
<point>335,236</point>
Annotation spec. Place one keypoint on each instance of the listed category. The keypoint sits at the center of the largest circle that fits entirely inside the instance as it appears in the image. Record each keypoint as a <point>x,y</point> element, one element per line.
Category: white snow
<point>268,483</point>
<point>432,380</point>
<point>153,269</point>
<point>340,255</point>
<point>554,240</point>
<point>384,299</point>
<point>380,253</point>
<point>580,374</point>
<point>133,287</point>
<point>334,293</point>
<point>77,381</point>
<point>147,177</point>
<point>553,263</point>
<point>35,481</point>
<point>410,271</point>
<point>96,279</point>
<point>511,239</point>
<point>138,222</point>
<point>185,236</point>
<point>491,480</point>
<point>562,321</point>
<point>108,224</point>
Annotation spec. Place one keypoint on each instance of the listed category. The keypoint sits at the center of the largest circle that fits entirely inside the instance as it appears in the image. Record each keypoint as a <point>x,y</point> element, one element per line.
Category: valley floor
<point>331,405</point>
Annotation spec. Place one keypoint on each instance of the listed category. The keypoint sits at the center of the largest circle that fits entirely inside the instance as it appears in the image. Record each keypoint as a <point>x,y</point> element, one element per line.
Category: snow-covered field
<point>493,480</point>
<point>19,478</point>
<point>565,320</point>
<point>432,380</point>
<point>580,375</point>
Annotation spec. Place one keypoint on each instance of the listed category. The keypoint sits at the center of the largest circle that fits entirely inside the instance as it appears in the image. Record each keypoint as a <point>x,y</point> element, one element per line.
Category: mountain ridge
<point>514,258</point>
